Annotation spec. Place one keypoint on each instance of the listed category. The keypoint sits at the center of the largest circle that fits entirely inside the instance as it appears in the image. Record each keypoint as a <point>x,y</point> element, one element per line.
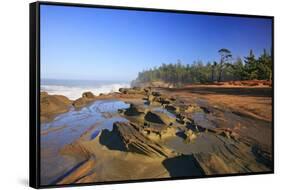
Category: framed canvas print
<point>120,94</point>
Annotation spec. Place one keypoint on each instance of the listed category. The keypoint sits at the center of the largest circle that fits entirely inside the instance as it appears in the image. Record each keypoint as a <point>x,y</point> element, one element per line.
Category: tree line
<point>226,69</point>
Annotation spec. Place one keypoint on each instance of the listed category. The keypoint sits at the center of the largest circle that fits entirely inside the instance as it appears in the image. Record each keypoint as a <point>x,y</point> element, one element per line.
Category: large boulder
<point>88,95</point>
<point>86,98</point>
<point>51,105</point>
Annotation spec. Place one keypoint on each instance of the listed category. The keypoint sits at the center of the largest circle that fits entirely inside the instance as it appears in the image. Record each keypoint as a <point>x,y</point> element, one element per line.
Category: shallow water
<point>77,121</point>
<point>70,126</point>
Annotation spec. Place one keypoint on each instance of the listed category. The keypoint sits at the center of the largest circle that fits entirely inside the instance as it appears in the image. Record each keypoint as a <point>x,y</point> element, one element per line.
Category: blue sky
<point>103,44</point>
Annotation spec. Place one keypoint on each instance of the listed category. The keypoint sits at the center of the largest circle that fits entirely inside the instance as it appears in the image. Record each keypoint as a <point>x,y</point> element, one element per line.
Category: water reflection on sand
<point>67,127</point>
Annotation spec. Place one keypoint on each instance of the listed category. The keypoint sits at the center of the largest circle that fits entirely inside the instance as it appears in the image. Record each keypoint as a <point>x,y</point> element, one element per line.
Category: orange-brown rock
<point>86,98</point>
<point>51,105</point>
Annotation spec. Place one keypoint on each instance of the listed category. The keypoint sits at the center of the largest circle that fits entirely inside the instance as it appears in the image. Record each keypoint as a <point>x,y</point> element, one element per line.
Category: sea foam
<point>74,92</point>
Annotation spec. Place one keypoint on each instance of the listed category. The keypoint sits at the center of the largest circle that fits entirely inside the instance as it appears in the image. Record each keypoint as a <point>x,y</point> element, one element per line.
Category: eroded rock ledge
<point>51,105</point>
<point>133,140</point>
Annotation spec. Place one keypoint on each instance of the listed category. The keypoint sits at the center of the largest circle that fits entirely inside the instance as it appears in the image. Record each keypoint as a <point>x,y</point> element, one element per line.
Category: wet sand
<point>143,134</point>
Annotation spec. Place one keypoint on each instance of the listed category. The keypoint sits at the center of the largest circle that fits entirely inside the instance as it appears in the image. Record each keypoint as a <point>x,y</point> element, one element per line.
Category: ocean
<point>73,89</point>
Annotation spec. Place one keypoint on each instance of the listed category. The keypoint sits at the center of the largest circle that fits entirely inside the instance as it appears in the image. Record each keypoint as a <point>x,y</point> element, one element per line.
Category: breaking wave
<point>74,92</point>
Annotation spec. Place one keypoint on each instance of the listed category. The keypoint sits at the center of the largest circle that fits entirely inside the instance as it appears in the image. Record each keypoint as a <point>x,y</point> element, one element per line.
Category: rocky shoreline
<point>162,135</point>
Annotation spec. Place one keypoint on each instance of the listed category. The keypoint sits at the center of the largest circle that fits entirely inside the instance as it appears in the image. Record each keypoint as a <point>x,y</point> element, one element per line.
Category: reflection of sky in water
<point>75,123</point>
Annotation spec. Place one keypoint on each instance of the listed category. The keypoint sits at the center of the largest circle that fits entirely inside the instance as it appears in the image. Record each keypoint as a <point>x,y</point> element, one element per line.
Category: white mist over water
<point>73,89</point>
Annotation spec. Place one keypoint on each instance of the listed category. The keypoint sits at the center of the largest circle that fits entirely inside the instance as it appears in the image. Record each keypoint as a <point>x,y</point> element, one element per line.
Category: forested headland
<point>227,68</point>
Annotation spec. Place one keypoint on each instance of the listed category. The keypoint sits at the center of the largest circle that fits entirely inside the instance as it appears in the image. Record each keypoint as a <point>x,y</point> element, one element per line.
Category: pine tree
<point>224,61</point>
<point>238,69</point>
<point>251,66</point>
<point>264,66</point>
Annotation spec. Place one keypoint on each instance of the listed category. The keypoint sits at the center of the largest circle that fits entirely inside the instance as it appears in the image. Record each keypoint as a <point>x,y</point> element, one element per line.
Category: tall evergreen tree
<point>224,61</point>
<point>238,69</point>
<point>251,66</point>
<point>264,66</point>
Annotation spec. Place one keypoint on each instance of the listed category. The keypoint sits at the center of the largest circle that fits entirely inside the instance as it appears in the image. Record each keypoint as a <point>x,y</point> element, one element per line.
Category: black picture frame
<point>34,91</point>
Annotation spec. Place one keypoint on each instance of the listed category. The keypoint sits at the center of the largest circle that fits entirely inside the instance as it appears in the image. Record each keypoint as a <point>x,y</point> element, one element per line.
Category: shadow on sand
<point>183,166</point>
<point>181,135</point>
<point>111,140</point>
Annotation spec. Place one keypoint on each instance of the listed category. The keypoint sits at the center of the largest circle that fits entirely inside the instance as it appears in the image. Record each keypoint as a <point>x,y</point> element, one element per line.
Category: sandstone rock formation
<point>88,95</point>
<point>51,105</point>
<point>134,141</point>
<point>86,98</point>
<point>135,90</point>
